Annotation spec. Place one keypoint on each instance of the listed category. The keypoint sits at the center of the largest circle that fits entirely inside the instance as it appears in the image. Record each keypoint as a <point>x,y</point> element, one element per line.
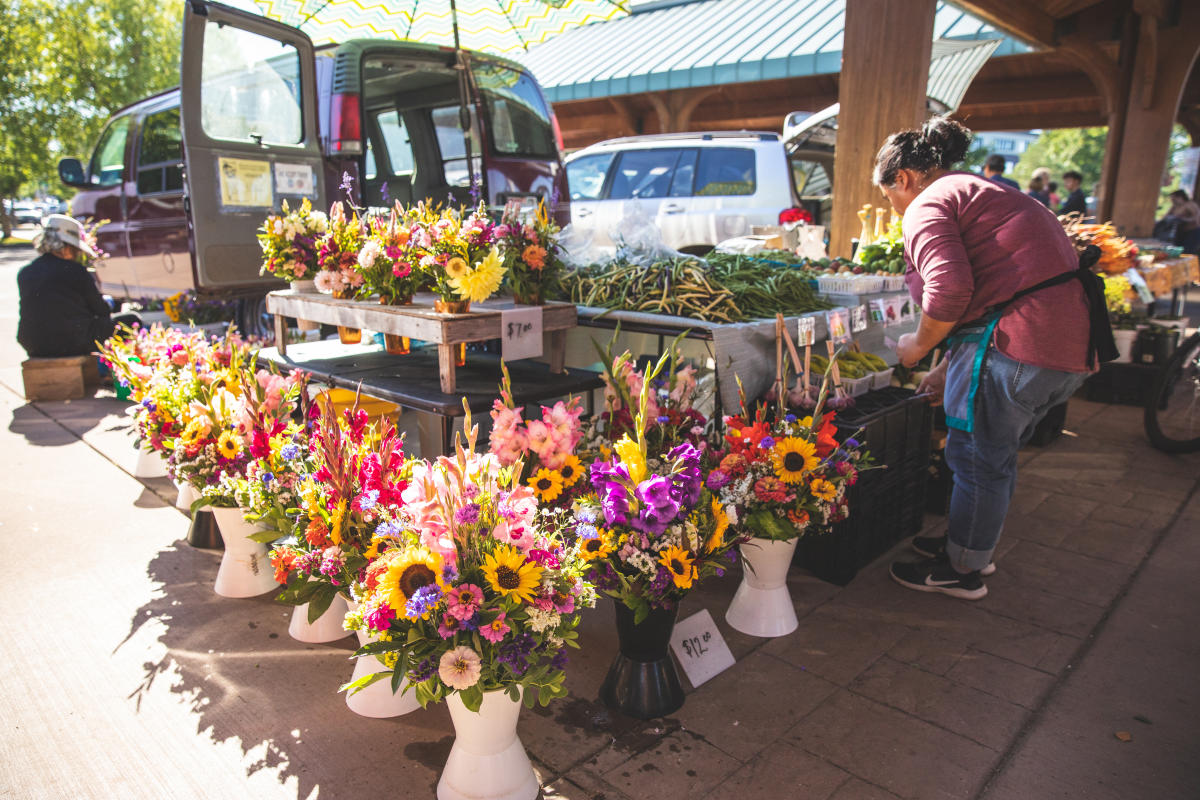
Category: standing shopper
<point>995,273</point>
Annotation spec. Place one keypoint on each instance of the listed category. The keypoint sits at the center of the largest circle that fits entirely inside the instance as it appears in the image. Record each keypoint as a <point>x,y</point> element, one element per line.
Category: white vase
<point>487,761</point>
<point>245,569</point>
<point>377,700</point>
<point>1125,340</point>
<point>762,605</point>
<point>149,465</point>
<point>327,628</point>
<point>187,495</point>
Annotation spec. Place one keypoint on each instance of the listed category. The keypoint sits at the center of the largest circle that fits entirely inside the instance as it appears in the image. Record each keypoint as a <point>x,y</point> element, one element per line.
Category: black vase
<point>203,531</point>
<point>642,681</point>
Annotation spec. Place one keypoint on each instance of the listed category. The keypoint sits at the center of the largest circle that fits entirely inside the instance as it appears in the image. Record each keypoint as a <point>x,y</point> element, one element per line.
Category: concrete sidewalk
<point>126,676</point>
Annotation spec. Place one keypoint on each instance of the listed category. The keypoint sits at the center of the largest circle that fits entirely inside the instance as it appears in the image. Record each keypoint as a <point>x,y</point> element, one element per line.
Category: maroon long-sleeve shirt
<point>971,244</point>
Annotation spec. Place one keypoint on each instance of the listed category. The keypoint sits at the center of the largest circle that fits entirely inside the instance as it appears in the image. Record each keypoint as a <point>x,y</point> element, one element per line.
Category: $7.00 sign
<point>521,333</point>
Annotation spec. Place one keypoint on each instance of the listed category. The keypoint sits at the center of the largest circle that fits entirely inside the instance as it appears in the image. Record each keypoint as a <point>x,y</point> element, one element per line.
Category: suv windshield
<point>518,119</point>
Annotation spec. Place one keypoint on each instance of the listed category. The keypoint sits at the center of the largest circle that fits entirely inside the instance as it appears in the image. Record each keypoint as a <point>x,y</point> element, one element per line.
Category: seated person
<point>61,310</point>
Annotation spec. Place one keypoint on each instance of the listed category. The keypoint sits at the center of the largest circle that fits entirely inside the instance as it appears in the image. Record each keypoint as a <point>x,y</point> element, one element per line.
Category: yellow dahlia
<point>407,572</point>
<point>456,267</point>
<point>793,459</point>
<point>679,562</point>
<point>482,282</point>
<point>547,484</point>
<point>508,573</point>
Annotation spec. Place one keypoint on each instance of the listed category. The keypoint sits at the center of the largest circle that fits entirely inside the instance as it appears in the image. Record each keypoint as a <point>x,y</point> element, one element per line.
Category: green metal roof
<point>679,44</point>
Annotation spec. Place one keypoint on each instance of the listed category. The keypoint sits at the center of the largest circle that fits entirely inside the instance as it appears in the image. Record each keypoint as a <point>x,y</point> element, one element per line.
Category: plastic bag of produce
<point>638,239</point>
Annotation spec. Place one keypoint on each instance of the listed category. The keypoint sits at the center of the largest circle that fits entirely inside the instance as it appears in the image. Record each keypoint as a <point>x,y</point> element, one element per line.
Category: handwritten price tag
<point>806,333</point>
<point>521,333</point>
<point>858,319</point>
<point>700,648</point>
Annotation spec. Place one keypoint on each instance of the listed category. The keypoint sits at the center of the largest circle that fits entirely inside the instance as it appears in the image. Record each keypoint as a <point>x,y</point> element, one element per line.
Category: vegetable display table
<point>419,321</point>
<point>412,381</point>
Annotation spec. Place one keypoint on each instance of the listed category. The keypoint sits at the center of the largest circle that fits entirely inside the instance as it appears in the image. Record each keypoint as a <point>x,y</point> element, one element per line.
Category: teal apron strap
<point>982,338</point>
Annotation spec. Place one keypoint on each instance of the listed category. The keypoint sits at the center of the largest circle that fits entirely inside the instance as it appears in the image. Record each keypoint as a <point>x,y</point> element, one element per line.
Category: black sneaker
<point>935,547</point>
<point>936,575</point>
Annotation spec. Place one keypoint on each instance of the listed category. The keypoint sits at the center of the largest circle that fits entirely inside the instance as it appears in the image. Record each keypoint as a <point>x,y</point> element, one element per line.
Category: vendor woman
<point>1001,288</point>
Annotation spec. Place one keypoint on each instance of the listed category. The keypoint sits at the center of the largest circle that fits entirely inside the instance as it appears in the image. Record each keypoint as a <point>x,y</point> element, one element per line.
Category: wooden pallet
<point>419,321</point>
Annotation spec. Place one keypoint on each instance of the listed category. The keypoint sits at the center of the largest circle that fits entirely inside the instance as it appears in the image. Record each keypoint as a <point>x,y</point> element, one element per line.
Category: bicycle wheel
<point>1172,416</point>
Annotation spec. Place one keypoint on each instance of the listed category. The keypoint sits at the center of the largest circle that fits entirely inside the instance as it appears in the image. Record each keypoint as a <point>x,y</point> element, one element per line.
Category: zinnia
<point>459,668</point>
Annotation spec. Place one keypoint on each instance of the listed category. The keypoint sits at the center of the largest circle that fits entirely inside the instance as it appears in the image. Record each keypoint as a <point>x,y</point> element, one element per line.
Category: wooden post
<point>885,71</point>
<point>1159,69</point>
<point>281,334</point>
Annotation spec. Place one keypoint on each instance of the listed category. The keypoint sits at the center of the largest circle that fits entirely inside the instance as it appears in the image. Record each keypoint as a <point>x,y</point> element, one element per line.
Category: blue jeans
<point>1011,400</point>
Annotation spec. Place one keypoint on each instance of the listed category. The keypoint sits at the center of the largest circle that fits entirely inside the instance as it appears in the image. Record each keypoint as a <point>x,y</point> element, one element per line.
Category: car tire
<point>253,319</point>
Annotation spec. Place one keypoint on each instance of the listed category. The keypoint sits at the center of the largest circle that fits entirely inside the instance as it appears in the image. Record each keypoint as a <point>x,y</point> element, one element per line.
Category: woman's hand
<point>934,383</point>
<point>909,350</point>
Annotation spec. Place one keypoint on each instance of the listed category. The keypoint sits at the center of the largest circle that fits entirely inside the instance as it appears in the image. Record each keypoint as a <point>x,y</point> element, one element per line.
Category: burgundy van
<point>187,176</point>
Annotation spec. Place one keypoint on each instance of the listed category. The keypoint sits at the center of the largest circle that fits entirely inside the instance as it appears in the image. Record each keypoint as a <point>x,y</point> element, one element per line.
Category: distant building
<point>1010,144</point>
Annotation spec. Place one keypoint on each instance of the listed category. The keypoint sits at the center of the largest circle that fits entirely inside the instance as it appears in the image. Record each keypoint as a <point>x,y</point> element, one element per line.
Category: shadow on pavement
<point>40,429</point>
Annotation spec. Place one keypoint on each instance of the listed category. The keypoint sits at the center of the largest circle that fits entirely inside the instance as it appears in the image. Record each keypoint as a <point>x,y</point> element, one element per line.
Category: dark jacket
<point>62,312</point>
<point>1076,201</point>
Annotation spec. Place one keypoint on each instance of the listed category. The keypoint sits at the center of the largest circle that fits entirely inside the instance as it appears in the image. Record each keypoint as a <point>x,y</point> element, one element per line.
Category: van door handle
<point>671,208</point>
<point>582,212</point>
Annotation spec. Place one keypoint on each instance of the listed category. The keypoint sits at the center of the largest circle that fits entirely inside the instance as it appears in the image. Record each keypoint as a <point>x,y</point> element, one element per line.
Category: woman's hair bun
<point>948,139</point>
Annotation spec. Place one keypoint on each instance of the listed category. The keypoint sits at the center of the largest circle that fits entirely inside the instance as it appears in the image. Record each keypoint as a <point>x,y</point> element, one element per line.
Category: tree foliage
<point>65,66</point>
<point>1079,149</point>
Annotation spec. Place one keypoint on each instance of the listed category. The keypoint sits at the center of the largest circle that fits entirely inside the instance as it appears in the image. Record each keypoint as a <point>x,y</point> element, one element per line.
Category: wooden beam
<point>1021,18</point>
<point>1027,119</point>
<point>1029,90</point>
<point>882,90</point>
<point>1098,65</point>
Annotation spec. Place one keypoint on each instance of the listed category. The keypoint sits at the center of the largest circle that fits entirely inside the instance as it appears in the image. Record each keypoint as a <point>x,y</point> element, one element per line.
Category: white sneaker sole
<point>990,569</point>
<point>962,594</point>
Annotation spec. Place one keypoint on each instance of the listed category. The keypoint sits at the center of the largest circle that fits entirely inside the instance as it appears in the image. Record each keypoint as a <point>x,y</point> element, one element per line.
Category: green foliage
<point>1080,149</point>
<point>65,66</point>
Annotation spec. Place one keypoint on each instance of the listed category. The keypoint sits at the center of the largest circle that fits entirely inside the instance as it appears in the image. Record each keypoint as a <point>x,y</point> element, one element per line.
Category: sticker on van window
<point>245,183</point>
<point>294,179</point>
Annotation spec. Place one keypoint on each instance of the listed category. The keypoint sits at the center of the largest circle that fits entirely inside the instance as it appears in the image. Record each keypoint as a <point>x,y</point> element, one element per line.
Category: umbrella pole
<point>464,91</point>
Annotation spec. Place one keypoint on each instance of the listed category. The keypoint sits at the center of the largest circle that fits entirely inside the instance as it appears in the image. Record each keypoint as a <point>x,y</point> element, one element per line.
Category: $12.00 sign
<point>700,648</point>
<point>521,333</point>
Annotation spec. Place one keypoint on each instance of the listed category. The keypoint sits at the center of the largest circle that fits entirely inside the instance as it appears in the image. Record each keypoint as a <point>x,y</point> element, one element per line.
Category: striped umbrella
<point>504,27</point>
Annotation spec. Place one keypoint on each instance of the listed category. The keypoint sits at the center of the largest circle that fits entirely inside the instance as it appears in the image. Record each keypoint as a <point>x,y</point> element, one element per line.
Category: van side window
<point>518,119</point>
<point>644,174</point>
<point>585,175</point>
<point>249,87</point>
<point>450,143</point>
<point>725,171</point>
<point>160,154</point>
<point>107,167</point>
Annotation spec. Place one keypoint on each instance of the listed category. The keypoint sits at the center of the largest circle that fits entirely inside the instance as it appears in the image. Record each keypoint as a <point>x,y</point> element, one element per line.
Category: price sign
<point>838,320</point>
<point>521,333</point>
<point>906,310</point>
<point>700,648</point>
<point>858,319</point>
<point>807,332</point>
<point>879,311</point>
<point>895,305</point>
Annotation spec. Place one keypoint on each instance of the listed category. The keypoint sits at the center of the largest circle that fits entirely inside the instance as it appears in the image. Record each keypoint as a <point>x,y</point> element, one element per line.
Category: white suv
<point>698,188</point>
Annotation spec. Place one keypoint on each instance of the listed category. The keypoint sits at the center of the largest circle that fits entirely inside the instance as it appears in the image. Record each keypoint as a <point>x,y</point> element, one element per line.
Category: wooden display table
<point>419,321</point>
<point>410,381</point>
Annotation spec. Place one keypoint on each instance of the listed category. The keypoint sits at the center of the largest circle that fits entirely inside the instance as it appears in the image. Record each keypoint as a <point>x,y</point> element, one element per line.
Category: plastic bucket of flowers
<point>476,596</point>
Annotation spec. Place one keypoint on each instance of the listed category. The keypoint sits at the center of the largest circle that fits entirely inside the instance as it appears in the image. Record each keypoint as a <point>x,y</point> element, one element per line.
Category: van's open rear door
<point>249,117</point>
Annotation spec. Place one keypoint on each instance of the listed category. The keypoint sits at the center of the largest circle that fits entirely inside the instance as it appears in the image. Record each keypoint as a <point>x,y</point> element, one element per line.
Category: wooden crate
<point>58,378</point>
<point>419,321</point>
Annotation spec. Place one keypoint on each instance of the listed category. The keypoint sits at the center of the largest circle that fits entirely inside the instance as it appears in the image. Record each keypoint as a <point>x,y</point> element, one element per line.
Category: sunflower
<point>679,562</point>
<point>407,572</point>
<point>571,471</point>
<point>595,548</point>
<point>793,459</point>
<point>546,484</point>
<point>228,445</point>
<point>196,430</point>
<point>456,267</point>
<point>823,489</point>
<point>508,573</point>
<point>720,525</point>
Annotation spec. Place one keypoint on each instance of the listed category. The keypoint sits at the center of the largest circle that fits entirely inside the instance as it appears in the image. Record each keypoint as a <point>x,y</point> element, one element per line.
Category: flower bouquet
<point>337,259</point>
<point>355,475</point>
<point>654,533</point>
<point>460,255</point>
<point>530,255</point>
<point>540,451</point>
<point>387,262</point>
<point>290,242</point>
<point>784,480</point>
<point>477,596</point>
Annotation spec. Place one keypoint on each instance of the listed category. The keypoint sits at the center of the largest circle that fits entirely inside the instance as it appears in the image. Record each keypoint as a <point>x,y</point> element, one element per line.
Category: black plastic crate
<point>1121,383</point>
<point>895,426</point>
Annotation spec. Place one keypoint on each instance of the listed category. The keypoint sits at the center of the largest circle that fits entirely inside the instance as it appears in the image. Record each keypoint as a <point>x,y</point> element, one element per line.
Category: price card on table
<point>521,333</point>
<point>806,335</point>
<point>838,322</point>
<point>858,319</point>
<point>700,648</point>
<point>879,311</point>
